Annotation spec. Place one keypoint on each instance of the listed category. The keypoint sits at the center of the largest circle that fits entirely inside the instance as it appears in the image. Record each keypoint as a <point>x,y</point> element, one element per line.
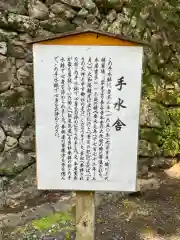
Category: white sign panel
<point>87,115</point>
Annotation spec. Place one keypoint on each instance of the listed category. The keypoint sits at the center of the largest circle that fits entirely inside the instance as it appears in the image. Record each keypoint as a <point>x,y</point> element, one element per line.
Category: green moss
<point>67,236</point>
<point>174,114</point>
<point>148,89</point>
<point>8,172</point>
<point>171,140</point>
<point>152,135</point>
<point>161,113</point>
<point>153,86</point>
<point>169,97</point>
<point>170,73</point>
<point>171,147</point>
<point>171,131</point>
<point>100,220</point>
<point>20,230</point>
<point>51,224</point>
<point>148,149</point>
<point>72,210</point>
<point>55,219</point>
<point>168,137</point>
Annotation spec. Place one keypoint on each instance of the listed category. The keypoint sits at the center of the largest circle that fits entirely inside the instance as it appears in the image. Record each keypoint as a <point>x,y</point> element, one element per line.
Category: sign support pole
<point>85,215</point>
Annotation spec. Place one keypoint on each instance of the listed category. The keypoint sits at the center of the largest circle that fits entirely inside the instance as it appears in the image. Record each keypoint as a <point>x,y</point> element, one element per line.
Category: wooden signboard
<point>87,99</point>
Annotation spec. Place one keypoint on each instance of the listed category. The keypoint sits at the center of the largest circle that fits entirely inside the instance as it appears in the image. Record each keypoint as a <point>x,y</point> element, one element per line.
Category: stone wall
<point>155,22</point>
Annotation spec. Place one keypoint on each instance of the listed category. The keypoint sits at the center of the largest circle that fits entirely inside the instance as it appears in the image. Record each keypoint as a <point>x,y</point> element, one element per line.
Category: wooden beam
<point>85,215</point>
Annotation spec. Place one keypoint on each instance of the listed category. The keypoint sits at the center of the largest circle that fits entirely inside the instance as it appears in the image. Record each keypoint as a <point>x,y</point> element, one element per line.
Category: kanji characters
<point>119,124</point>
<point>119,104</point>
<point>120,83</point>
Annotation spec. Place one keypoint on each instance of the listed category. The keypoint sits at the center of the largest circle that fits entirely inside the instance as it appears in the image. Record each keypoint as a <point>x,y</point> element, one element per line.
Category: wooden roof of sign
<point>96,33</point>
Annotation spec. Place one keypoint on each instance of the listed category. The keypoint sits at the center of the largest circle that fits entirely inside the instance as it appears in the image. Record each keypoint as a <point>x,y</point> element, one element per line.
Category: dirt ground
<point>153,214</point>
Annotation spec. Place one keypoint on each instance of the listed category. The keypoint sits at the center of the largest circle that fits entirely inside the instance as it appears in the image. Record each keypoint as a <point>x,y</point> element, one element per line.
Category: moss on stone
<point>11,171</point>
<point>152,135</point>
<point>171,131</point>
<point>16,97</point>
<point>14,162</point>
<point>154,88</point>
<point>147,86</point>
<point>161,113</point>
<point>171,140</point>
<point>168,137</point>
<point>148,149</point>
<point>57,25</point>
<point>148,91</point>
<point>57,220</point>
<point>170,73</point>
<point>171,147</point>
<point>169,97</point>
<point>174,114</point>
<point>8,172</point>
<point>57,223</point>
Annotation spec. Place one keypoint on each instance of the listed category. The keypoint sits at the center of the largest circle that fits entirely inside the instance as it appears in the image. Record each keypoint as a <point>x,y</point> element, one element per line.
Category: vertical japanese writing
<point>69,101</point>
<point>101,126</point>
<point>82,117</point>
<point>108,113</point>
<point>82,113</point>
<point>76,112</point>
<point>63,120</point>
<point>56,96</point>
<point>95,119</point>
<point>89,109</point>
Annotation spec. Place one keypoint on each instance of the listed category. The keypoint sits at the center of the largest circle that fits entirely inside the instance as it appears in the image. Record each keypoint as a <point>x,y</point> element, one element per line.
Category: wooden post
<point>85,215</point>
